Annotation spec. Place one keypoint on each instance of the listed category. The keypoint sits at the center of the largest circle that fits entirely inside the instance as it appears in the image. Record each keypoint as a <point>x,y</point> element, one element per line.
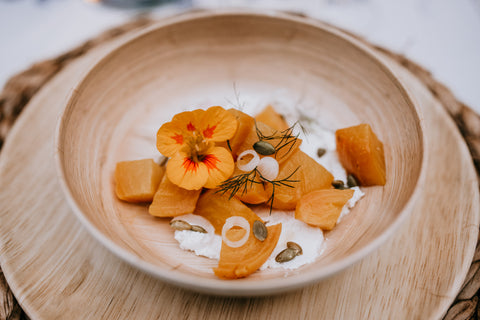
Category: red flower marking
<point>189,165</point>
<point>210,161</point>
<point>208,133</point>
<point>190,127</point>
<point>178,138</point>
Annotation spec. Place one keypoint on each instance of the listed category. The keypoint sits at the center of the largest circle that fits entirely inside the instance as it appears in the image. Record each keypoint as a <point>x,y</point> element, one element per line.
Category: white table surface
<point>441,35</point>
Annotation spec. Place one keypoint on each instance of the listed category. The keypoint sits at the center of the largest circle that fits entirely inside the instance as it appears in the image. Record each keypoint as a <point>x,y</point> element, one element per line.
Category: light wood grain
<point>57,269</point>
<point>194,62</point>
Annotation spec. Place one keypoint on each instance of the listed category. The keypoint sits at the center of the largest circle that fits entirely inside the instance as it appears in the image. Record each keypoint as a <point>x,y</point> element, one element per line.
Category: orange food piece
<point>170,200</point>
<point>254,193</point>
<point>321,208</point>
<point>290,145</point>
<point>217,208</point>
<point>361,154</point>
<point>245,123</point>
<point>272,118</point>
<point>240,262</point>
<point>137,181</point>
<point>310,175</point>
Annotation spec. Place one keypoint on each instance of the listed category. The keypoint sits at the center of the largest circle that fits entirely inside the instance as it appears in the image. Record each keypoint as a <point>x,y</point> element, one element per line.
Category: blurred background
<point>441,35</point>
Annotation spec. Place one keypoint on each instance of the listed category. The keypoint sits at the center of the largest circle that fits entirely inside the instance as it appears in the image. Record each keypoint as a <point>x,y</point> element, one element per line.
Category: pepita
<point>321,152</point>
<point>351,181</point>
<point>180,225</point>
<point>286,255</point>
<point>259,230</point>
<point>198,229</point>
<point>295,246</point>
<point>338,184</point>
<point>264,148</point>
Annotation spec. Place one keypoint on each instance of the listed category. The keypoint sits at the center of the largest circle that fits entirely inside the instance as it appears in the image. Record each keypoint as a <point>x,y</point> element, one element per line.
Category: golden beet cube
<point>361,154</point>
<point>321,208</point>
<point>306,175</point>
<point>240,262</point>
<point>217,208</point>
<point>137,181</point>
<point>252,192</point>
<point>272,118</point>
<point>171,200</point>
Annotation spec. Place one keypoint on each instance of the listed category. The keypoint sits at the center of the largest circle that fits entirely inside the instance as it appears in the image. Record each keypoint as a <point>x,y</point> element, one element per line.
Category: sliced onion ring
<point>252,164</point>
<point>236,221</point>
<point>268,168</point>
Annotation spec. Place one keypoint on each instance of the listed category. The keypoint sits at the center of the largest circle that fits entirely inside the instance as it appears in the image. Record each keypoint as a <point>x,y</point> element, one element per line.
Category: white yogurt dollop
<point>309,238</point>
<point>203,244</point>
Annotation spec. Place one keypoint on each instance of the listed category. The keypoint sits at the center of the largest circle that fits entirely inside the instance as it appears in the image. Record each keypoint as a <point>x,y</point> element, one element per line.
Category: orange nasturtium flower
<point>189,139</point>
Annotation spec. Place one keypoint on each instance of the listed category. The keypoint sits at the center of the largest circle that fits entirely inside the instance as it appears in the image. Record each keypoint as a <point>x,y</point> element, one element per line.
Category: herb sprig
<point>242,182</point>
<point>283,182</point>
<point>287,138</point>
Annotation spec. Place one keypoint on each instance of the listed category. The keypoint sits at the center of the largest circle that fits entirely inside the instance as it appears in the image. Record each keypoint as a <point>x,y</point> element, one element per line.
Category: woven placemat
<point>22,87</point>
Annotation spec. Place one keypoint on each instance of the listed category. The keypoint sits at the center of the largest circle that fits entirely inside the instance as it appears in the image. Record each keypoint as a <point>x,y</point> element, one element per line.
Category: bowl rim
<point>237,287</point>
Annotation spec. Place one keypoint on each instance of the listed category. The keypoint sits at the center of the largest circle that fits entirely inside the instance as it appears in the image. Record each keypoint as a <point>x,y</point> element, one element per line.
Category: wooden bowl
<point>231,58</point>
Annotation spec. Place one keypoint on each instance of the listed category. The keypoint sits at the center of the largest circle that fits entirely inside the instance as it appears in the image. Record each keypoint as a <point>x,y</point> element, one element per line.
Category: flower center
<point>196,147</point>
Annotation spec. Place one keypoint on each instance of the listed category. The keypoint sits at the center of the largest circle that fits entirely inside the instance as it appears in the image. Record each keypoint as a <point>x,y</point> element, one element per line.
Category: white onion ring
<point>252,164</point>
<point>195,219</point>
<point>268,168</point>
<point>236,221</point>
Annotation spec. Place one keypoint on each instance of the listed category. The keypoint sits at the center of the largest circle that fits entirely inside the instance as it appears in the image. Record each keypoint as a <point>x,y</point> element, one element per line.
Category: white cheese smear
<point>309,238</point>
<point>203,244</point>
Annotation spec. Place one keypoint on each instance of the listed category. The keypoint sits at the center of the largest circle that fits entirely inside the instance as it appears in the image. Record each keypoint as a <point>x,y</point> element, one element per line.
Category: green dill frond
<point>242,182</point>
<point>238,183</point>
<point>286,138</point>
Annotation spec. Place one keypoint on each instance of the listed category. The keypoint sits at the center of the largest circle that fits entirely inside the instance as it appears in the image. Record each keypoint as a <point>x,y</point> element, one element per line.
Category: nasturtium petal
<point>185,173</point>
<point>217,124</point>
<point>220,165</point>
<point>170,139</point>
<point>188,121</point>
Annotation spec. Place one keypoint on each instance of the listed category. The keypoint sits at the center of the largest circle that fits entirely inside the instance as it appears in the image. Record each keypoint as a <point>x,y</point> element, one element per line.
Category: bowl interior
<point>232,60</point>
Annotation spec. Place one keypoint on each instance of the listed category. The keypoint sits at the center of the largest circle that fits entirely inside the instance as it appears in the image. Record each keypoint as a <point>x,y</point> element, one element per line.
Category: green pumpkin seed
<point>264,148</point>
<point>286,255</point>
<point>295,246</point>
<point>351,181</point>
<point>338,184</point>
<point>259,230</point>
<point>180,225</point>
<point>321,152</point>
<point>198,229</point>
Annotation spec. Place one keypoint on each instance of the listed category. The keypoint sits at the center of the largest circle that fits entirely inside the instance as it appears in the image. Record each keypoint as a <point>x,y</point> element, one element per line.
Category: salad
<point>222,167</point>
